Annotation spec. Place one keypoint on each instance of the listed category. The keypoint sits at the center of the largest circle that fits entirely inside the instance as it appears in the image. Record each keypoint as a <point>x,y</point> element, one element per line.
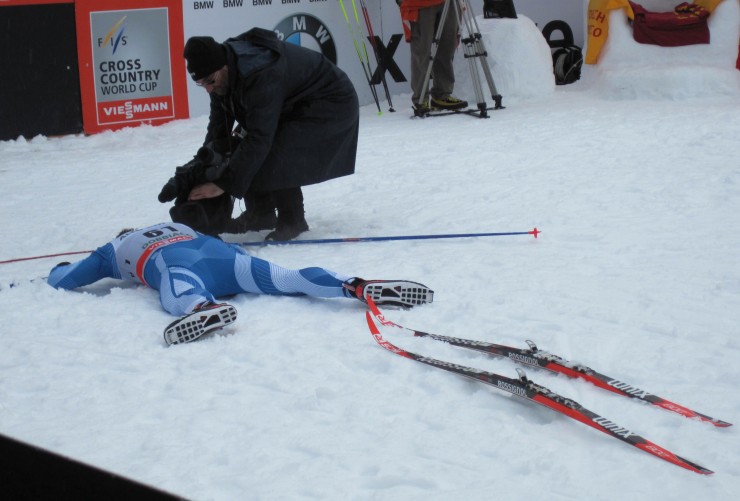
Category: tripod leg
<point>474,51</point>
<point>468,41</point>
<point>482,55</point>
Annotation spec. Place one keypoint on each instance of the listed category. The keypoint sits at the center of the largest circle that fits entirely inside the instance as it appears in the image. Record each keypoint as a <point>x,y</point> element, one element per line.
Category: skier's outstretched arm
<point>94,267</point>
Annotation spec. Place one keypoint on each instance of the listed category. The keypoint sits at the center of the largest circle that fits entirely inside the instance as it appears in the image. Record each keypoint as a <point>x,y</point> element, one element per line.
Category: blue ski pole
<point>533,232</point>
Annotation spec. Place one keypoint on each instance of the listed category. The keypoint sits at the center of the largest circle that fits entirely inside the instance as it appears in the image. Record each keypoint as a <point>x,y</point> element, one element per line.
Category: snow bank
<point>630,70</point>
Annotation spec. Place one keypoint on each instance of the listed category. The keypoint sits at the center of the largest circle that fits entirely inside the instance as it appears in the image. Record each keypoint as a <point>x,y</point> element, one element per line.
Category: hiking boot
<point>206,318</point>
<point>287,230</point>
<point>389,292</point>
<point>448,103</point>
<point>421,109</point>
<point>252,221</point>
<point>291,220</point>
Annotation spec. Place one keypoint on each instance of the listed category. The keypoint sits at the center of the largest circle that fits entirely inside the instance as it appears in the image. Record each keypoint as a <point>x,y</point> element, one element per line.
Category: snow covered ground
<point>636,189</point>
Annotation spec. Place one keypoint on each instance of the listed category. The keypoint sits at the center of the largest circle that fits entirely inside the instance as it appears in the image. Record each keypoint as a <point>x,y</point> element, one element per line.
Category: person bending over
<point>281,117</point>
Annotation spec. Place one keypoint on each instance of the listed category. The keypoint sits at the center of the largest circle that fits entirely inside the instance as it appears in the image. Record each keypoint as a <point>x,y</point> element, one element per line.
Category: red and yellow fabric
<point>410,13</point>
<point>598,22</point>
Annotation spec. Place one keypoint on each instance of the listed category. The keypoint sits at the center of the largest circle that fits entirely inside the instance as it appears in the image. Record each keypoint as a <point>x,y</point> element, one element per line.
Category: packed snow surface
<point>633,176</point>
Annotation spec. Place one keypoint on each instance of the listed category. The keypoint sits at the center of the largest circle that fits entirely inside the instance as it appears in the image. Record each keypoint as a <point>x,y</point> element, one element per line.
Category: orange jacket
<point>410,13</point>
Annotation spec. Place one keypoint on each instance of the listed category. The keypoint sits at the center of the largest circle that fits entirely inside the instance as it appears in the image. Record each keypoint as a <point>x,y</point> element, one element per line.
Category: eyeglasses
<point>209,80</point>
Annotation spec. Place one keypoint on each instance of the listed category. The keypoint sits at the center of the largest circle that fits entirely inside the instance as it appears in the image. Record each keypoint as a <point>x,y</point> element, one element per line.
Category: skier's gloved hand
<point>57,273</point>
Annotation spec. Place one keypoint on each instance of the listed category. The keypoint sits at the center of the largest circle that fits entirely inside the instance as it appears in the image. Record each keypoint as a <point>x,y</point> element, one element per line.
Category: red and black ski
<point>525,388</point>
<point>534,357</point>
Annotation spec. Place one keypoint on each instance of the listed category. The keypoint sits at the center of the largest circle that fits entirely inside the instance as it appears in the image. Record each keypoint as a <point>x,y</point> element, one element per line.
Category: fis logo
<point>115,36</point>
<point>307,31</point>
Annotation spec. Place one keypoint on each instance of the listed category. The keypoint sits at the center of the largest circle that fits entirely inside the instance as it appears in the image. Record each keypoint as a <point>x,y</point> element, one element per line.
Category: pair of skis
<point>525,388</point>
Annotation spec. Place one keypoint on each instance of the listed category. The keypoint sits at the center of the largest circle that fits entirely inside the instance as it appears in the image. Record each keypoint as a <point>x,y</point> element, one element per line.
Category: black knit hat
<point>204,56</point>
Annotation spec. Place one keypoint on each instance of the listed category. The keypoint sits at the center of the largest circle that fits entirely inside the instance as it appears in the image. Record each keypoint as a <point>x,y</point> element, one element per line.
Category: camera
<point>207,165</point>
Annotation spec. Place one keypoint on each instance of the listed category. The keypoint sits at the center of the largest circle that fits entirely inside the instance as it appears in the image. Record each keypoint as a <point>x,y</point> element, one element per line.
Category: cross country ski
<point>527,389</point>
<point>535,357</point>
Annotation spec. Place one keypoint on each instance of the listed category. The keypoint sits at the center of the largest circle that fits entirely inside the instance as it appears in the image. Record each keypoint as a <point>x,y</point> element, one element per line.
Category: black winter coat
<point>300,113</point>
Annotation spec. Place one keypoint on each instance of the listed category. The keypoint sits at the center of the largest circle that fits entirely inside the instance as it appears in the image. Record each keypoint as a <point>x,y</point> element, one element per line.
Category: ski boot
<point>389,292</point>
<point>205,318</point>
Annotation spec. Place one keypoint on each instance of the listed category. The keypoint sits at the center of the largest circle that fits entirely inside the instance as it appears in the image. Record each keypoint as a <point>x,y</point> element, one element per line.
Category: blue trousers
<point>199,270</point>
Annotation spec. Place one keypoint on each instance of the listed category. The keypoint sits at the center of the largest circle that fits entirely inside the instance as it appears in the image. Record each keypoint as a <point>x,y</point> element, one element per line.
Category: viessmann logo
<point>115,37</point>
<point>307,31</point>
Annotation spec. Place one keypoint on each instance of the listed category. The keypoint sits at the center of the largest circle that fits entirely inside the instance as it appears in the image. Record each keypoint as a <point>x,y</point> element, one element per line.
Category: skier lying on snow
<point>190,270</point>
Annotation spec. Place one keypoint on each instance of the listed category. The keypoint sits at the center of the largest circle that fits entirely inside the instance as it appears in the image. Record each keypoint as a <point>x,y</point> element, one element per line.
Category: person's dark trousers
<point>291,220</point>
<point>261,204</point>
<point>259,213</point>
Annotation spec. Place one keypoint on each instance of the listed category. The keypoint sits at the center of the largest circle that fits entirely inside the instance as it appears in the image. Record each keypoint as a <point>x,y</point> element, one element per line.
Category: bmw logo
<point>307,31</point>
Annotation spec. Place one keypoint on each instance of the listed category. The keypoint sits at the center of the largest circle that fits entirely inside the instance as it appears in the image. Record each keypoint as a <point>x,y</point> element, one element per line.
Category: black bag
<point>496,9</point>
<point>208,216</point>
<point>567,60</point>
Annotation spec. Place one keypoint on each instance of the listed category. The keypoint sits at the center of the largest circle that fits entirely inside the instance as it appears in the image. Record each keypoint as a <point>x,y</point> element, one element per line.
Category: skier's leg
<point>262,277</point>
<point>180,290</point>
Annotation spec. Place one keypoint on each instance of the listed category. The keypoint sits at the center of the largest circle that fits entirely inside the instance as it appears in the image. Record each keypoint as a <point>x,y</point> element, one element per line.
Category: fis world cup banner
<point>131,67</point>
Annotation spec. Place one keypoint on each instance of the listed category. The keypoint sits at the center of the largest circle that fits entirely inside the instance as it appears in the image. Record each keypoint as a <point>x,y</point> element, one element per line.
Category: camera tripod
<point>475,53</point>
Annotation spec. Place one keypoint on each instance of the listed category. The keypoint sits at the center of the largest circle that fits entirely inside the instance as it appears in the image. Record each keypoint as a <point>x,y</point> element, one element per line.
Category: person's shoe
<point>389,292</point>
<point>448,103</point>
<point>252,221</point>
<point>287,231</point>
<point>205,318</point>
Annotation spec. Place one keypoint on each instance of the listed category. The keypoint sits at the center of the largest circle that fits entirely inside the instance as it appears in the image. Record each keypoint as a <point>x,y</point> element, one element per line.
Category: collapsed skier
<point>190,270</point>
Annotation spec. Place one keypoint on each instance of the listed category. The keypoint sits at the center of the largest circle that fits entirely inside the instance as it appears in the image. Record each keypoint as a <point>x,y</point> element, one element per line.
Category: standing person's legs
<point>442,68</point>
<point>422,35</point>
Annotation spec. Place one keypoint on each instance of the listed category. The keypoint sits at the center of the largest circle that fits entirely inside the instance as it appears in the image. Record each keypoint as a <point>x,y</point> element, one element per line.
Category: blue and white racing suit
<point>188,268</point>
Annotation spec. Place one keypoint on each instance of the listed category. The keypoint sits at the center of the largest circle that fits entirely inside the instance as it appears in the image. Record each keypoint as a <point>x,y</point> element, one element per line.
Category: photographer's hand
<point>207,190</point>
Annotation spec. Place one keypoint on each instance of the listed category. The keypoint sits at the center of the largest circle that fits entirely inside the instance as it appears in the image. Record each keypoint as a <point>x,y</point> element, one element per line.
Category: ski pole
<point>371,36</point>
<point>364,62</point>
<point>534,232</point>
<point>17,260</point>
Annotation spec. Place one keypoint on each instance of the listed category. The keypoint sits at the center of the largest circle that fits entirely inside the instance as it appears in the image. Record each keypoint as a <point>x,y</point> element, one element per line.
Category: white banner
<point>321,25</point>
